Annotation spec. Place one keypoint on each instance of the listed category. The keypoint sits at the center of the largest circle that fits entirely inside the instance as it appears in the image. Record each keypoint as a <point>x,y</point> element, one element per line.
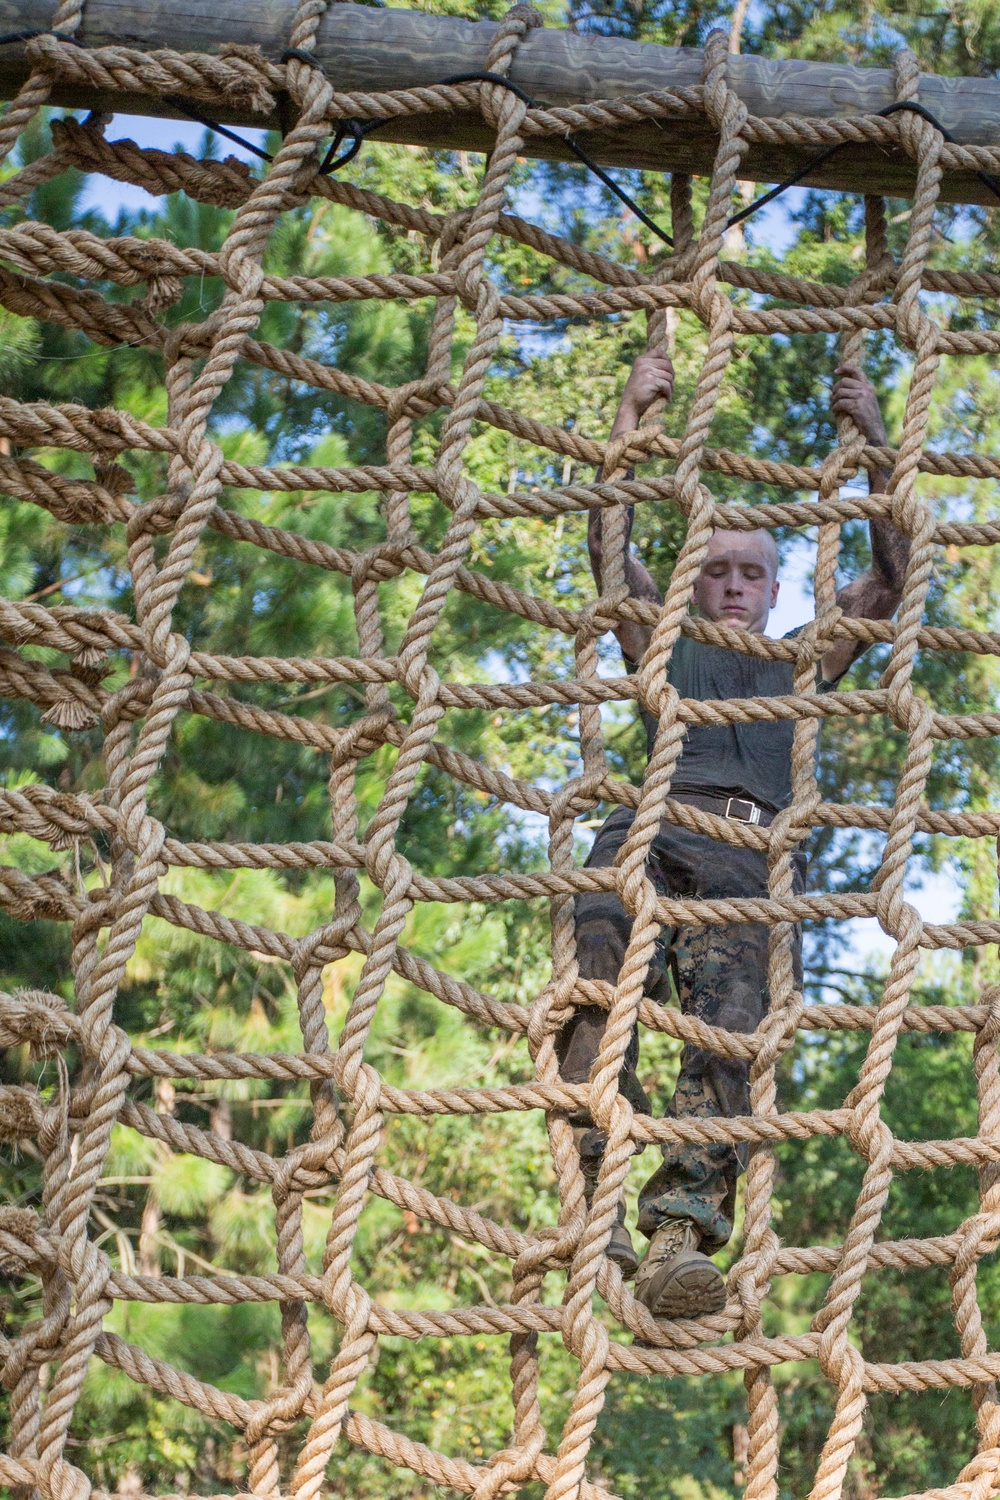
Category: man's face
<point>737,584</point>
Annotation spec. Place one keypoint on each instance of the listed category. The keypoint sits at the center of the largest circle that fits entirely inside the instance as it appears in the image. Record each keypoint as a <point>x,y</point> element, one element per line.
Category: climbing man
<point>737,771</point>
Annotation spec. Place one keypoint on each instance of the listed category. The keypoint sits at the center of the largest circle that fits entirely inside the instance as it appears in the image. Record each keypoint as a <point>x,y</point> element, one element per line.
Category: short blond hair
<point>770,546</point>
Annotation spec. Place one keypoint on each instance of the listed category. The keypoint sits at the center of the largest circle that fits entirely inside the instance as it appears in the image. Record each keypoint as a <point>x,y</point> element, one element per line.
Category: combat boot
<point>620,1248</point>
<point>675,1280</point>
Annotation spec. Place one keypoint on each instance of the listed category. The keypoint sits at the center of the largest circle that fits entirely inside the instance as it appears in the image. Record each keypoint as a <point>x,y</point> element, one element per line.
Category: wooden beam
<point>367,48</point>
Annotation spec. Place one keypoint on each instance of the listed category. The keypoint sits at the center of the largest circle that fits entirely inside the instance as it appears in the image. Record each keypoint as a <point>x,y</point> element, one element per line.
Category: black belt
<point>740,809</point>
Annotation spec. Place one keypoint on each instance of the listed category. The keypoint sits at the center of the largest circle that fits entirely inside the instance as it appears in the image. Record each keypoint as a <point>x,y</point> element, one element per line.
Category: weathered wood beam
<point>366,48</point>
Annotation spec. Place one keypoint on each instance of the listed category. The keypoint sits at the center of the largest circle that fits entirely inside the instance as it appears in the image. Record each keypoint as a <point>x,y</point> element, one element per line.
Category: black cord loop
<point>10,37</point>
<point>359,130</point>
<point>907,105</point>
<point>185,108</point>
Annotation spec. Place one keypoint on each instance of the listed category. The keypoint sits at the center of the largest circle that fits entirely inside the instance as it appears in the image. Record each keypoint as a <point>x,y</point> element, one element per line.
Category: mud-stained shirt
<point>732,760</point>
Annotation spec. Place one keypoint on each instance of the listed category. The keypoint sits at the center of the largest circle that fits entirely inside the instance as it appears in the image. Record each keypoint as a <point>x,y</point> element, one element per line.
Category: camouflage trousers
<point>719,974</point>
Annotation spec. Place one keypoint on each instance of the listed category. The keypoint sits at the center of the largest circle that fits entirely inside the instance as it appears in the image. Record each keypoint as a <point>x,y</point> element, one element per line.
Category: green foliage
<point>663,1440</point>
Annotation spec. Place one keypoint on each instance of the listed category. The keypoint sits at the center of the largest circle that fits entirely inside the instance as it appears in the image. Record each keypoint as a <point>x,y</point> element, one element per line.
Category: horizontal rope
<point>127,678</point>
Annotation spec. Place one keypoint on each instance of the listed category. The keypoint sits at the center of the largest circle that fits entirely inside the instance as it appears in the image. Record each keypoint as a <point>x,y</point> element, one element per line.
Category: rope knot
<point>412,399</point>
<point>21,1224</point>
<point>248,77</point>
<point>870,1136</point>
<point>20,1113</point>
<point>840,1361</point>
<point>36,1017</point>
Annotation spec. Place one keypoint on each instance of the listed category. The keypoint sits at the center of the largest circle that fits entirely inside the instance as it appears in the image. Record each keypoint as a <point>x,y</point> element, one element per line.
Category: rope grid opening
<point>594,1315</point>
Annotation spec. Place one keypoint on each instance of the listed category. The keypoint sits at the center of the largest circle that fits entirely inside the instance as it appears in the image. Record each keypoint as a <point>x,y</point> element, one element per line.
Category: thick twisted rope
<point>43,275</point>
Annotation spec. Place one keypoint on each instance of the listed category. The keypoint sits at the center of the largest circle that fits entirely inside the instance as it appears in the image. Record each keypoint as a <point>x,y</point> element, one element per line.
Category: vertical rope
<point>292,1432</point>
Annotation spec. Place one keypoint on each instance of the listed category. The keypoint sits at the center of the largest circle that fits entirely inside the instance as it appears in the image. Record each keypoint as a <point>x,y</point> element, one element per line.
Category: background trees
<point>161,1212</point>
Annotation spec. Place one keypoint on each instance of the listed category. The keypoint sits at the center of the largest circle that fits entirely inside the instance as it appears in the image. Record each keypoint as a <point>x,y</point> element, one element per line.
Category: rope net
<point>598,1320</point>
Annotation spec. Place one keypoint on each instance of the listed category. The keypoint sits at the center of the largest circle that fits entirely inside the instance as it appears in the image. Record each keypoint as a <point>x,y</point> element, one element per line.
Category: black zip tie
<point>184,108</point>
<point>302,57</point>
<point>359,132</point>
<point>10,37</point>
<point>577,150</point>
<point>174,100</point>
<point>362,130</point>
<point>356,129</point>
<point>986,178</point>
<point>989,181</point>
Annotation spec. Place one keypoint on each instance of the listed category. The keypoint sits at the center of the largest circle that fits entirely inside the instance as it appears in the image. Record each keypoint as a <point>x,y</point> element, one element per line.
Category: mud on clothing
<point>718,972</point>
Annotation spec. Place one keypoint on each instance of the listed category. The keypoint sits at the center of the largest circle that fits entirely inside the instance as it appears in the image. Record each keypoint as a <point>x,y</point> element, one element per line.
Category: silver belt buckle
<point>754,816</point>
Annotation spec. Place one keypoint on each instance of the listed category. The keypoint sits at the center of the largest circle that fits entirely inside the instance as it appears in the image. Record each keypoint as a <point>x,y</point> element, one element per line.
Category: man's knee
<point>727,1079</point>
<point>578,1043</point>
<point>603,929</point>
<point>693,1182</point>
<point>742,1001</point>
<point>577,1046</point>
<point>723,973</point>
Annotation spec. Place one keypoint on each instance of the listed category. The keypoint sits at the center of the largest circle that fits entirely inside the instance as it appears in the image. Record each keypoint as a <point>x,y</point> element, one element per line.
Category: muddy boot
<point>619,1248</point>
<point>675,1280</point>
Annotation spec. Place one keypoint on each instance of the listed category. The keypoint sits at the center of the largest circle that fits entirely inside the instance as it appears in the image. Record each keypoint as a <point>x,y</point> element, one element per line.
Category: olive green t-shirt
<point>751,761</point>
